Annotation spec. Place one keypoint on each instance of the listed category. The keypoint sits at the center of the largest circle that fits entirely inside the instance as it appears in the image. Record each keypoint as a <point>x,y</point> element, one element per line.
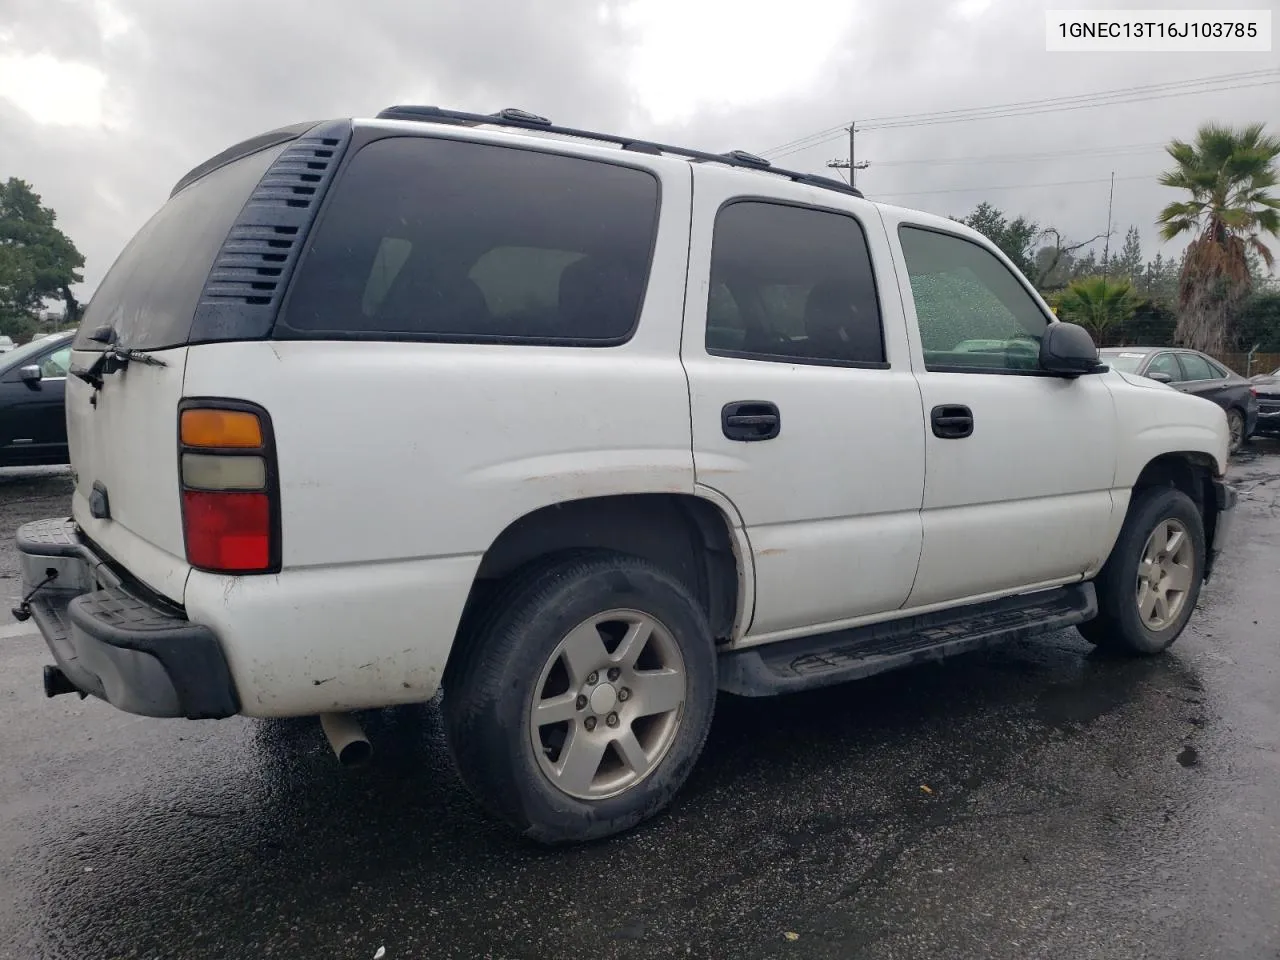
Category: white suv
<point>581,429</point>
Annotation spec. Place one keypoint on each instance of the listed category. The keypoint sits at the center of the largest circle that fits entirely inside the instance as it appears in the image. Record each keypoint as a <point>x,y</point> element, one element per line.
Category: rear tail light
<point>230,493</point>
<point>1253,391</point>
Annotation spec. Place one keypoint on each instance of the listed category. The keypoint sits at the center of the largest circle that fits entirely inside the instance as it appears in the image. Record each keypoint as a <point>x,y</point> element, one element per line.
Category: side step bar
<point>805,663</point>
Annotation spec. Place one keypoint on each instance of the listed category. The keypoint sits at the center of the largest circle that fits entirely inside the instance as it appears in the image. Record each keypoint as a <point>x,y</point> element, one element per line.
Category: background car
<point>1267,388</point>
<point>1193,372</point>
<point>33,423</point>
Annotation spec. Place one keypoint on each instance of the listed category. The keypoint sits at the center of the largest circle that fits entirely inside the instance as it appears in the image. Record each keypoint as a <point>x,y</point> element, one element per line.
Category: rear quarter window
<point>428,239</point>
<point>149,295</point>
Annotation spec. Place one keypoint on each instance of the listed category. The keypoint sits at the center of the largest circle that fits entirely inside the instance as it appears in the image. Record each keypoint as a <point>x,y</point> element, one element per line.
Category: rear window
<point>443,240</point>
<point>149,296</point>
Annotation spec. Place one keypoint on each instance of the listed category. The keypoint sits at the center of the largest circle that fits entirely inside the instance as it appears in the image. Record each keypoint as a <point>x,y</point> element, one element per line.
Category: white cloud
<point>691,56</point>
<point>53,91</point>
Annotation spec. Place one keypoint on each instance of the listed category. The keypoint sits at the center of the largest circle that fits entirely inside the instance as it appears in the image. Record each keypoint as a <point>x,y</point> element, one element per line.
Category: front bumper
<point>113,641</point>
<point>1224,501</point>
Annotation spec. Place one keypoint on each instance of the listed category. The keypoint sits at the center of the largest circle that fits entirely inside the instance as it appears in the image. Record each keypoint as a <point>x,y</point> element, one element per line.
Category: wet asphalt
<point>1034,801</point>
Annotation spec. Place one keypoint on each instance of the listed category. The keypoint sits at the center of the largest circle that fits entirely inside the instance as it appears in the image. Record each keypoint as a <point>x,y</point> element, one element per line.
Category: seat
<point>599,299</point>
<point>835,328</point>
<point>419,301</point>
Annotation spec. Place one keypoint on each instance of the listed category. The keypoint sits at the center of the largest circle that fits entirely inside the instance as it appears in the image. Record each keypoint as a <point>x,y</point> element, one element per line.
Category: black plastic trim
<point>247,282</point>
<point>513,119</point>
<point>806,663</point>
<point>363,137</point>
<point>242,149</point>
<point>267,451</point>
<point>187,652</point>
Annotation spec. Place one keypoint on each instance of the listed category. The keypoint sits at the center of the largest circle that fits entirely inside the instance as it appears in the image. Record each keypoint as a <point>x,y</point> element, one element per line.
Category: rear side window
<point>149,295</point>
<point>1197,368</point>
<point>792,284</point>
<point>443,240</point>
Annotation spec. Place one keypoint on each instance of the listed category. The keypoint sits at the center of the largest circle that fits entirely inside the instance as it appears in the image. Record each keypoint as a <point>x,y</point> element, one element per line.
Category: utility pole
<point>1106,247</point>
<point>851,165</point>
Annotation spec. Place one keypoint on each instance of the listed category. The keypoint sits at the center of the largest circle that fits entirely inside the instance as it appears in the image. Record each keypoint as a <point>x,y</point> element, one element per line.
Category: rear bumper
<point>1268,420</point>
<point>113,642</point>
<point>1225,498</point>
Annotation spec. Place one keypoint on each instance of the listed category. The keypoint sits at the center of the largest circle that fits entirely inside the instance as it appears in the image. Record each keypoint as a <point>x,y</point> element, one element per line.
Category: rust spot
<point>771,552</point>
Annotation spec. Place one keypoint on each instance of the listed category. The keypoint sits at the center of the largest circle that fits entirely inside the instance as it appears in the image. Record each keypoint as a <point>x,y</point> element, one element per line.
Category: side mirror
<point>1068,350</point>
<point>30,375</point>
<point>1159,376</point>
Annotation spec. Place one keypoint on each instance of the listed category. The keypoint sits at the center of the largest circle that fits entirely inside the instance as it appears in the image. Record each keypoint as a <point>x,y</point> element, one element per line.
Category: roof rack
<point>523,120</point>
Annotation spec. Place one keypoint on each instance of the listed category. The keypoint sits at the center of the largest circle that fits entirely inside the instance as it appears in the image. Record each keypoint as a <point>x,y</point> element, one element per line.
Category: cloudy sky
<point>104,104</point>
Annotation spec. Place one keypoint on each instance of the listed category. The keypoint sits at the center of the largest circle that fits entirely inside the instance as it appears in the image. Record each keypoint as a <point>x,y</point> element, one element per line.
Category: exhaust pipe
<point>346,737</point>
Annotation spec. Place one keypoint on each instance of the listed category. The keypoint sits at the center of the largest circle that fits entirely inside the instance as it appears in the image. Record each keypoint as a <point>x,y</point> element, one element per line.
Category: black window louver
<point>249,276</point>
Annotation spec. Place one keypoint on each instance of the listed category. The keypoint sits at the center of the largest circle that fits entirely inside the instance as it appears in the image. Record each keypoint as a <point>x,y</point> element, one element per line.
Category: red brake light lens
<point>228,532</point>
<point>230,506</point>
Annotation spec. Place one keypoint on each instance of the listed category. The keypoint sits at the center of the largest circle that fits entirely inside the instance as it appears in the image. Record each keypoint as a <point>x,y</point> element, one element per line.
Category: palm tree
<point>1228,174</point>
<point>1097,303</point>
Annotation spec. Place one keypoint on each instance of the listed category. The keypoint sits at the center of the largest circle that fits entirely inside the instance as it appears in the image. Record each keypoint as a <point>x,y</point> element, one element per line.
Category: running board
<point>804,663</point>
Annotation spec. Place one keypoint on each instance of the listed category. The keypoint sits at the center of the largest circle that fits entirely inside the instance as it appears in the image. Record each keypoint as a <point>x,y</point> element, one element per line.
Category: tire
<point>1235,428</point>
<point>539,639</point>
<point>1122,626</point>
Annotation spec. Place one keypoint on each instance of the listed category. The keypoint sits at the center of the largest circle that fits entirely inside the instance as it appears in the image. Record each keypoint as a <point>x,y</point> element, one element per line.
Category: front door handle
<point>952,421</point>
<point>750,420</point>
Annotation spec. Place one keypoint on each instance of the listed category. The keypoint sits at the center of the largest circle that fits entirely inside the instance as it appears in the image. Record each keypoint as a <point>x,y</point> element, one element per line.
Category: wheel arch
<point>692,538</point>
<point>1193,473</point>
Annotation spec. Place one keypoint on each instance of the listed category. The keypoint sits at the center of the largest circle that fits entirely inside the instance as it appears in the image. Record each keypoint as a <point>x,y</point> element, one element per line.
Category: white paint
<point>832,505</point>
<point>401,463</point>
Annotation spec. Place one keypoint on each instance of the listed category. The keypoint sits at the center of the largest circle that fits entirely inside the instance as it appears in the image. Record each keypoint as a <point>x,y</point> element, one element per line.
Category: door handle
<point>952,421</point>
<point>750,420</point>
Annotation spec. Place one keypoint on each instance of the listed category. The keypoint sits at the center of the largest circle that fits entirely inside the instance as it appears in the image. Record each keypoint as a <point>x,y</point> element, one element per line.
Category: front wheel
<point>1149,585</point>
<point>582,702</point>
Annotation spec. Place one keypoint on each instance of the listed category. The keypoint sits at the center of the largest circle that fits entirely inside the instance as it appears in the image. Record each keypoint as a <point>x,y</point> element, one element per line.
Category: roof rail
<point>523,120</point>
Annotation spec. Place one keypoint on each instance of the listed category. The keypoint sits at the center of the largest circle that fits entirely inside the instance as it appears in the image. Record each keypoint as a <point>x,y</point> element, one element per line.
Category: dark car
<point>33,420</point>
<point>1192,372</point>
<point>1267,388</point>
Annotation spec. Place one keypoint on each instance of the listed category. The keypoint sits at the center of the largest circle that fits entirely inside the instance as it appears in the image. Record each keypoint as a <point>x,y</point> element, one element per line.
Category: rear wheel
<point>1235,427</point>
<point>583,699</point>
<point>1149,585</point>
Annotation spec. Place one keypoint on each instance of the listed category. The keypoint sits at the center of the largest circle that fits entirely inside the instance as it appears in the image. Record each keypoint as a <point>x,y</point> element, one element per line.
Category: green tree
<point>1229,174</point>
<point>1259,323</point>
<point>38,262</point>
<point>1098,303</point>
<point>1018,239</point>
<point>1128,265</point>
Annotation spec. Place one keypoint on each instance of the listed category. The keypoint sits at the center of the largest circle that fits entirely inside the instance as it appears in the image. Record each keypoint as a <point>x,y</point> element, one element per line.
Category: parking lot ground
<point>1033,801</point>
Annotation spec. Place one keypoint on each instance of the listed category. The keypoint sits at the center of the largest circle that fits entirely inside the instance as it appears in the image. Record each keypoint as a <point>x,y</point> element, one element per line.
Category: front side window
<point>974,314</point>
<point>1165,363</point>
<point>792,284</point>
<point>55,365</point>
<point>446,240</point>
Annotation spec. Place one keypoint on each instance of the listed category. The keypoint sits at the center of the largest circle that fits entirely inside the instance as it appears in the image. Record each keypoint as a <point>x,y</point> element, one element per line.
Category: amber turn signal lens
<point>221,428</point>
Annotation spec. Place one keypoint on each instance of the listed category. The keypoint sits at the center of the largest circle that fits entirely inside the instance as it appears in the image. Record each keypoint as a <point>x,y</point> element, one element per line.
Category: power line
<point>1058,108</point>
<point>1135,94</point>
<point>1010,186</point>
<point>1117,150</point>
<point>1076,97</point>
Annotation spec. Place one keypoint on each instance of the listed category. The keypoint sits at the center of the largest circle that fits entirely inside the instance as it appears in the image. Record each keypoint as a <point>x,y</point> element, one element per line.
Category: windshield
<point>1124,362</point>
<point>18,356</point>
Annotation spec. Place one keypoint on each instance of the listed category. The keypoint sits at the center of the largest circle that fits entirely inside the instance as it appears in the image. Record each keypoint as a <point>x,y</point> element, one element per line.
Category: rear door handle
<point>750,420</point>
<point>952,421</point>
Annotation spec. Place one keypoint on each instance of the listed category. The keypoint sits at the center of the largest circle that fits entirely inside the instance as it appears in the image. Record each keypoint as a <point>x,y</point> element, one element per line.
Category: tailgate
<point>123,440</point>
